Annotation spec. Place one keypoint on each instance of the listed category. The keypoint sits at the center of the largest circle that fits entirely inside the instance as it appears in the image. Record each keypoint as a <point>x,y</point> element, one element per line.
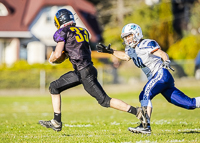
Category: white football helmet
<point>134,29</point>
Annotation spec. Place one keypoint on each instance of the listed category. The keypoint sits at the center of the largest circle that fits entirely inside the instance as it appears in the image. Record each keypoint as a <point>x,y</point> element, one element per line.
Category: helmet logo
<point>133,27</point>
<point>62,18</point>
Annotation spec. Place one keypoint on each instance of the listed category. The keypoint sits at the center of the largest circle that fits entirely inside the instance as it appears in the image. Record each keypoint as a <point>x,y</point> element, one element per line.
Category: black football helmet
<point>63,18</point>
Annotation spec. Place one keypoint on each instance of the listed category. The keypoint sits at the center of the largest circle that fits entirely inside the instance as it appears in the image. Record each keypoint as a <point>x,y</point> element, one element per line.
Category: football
<point>62,58</point>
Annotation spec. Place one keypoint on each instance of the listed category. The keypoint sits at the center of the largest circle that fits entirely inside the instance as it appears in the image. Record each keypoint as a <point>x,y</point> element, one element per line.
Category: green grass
<point>87,122</point>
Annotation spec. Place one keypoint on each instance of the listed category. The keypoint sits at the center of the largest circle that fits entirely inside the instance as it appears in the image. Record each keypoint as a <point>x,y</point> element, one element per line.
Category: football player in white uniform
<point>147,55</point>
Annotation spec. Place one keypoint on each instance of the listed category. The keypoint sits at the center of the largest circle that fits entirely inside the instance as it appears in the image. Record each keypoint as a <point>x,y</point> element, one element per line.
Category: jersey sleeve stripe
<point>154,50</point>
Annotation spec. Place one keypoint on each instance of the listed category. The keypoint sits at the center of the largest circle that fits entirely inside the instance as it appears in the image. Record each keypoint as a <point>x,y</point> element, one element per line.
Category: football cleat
<point>141,115</point>
<point>140,129</point>
<point>55,125</point>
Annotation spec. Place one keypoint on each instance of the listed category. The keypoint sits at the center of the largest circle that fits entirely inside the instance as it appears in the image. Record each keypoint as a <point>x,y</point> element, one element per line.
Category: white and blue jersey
<point>143,58</point>
<point>160,79</point>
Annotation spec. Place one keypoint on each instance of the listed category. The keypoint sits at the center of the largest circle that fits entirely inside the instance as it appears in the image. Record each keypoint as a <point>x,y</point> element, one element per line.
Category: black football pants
<point>87,77</point>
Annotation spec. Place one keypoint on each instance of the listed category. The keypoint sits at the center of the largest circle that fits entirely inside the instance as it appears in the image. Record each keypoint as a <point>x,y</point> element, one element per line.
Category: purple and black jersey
<point>76,45</point>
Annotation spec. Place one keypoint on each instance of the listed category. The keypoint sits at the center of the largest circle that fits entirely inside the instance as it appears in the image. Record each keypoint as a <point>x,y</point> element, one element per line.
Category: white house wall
<point>1,52</point>
<point>12,52</point>
<point>35,52</point>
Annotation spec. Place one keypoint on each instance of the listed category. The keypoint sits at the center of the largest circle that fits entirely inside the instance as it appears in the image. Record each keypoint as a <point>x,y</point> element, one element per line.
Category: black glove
<point>103,49</point>
<point>166,64</point>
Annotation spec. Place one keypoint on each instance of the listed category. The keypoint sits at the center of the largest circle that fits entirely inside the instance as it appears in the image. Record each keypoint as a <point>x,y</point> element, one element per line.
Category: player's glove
<point>166,64</point>
<point>103,49</point>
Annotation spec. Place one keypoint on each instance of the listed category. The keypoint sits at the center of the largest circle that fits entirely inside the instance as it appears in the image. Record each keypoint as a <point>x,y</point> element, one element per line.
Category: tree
<point>189,45</point>
<point>187,48</point>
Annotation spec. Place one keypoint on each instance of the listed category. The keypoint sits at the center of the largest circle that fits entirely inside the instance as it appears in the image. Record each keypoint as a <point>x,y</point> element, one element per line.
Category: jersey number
<point>138,62</point>
<point>79,36</point>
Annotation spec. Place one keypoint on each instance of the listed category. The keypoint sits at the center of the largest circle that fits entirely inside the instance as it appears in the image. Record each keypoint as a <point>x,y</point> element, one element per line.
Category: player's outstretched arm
<point>121,55</point>
<point>106,49</point>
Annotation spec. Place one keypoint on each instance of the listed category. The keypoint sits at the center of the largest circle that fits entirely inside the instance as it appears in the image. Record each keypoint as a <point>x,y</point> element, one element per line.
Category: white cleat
<point>140,129</point>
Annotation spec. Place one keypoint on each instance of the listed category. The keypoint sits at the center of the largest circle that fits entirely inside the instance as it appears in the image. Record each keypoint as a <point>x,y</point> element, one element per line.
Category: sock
<point>147,116</point>
<point>148,119</point>
<point>148,125</point>
<point>57,117</point>
<point>132,110</point>
<point>197,102</point>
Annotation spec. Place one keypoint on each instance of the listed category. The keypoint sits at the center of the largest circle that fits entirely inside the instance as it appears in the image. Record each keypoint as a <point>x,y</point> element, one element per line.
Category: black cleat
<point>141,115</point>
<point>55,125</point>
<point>140,129</point>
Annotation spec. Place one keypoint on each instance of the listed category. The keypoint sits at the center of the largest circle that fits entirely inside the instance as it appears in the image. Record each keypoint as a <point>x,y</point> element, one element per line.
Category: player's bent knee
<point>106,101</point>
<point>53,89</point>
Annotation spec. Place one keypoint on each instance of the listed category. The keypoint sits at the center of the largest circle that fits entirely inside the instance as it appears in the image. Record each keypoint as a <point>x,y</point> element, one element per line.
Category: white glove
<point>166,65</point>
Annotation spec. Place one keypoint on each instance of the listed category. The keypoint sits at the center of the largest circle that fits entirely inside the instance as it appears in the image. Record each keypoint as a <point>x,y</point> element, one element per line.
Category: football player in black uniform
<point>74,41</point>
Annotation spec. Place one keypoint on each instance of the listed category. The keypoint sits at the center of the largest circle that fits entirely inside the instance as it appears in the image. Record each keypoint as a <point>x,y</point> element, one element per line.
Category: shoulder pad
<point>152,44</point>
<point>149,43</point>
<point>59,35</point>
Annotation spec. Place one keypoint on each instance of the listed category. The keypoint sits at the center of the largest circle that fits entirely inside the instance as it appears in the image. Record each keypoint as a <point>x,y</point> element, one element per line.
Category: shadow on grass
<point>87,135</point>
<point>189,132</point>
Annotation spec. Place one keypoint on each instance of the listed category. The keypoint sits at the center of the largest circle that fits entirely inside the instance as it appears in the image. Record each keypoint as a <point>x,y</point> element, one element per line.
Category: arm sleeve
<point>152,46</point>
<point>59,35</point>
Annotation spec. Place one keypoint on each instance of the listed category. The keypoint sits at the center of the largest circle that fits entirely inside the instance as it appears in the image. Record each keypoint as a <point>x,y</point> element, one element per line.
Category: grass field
<point>87,122</point>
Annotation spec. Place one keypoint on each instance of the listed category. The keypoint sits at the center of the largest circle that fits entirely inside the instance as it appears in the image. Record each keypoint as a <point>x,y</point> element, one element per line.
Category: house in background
<point>27,27</point>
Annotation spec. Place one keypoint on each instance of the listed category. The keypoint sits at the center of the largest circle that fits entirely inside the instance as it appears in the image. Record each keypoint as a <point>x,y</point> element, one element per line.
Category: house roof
<point>22,13</point>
